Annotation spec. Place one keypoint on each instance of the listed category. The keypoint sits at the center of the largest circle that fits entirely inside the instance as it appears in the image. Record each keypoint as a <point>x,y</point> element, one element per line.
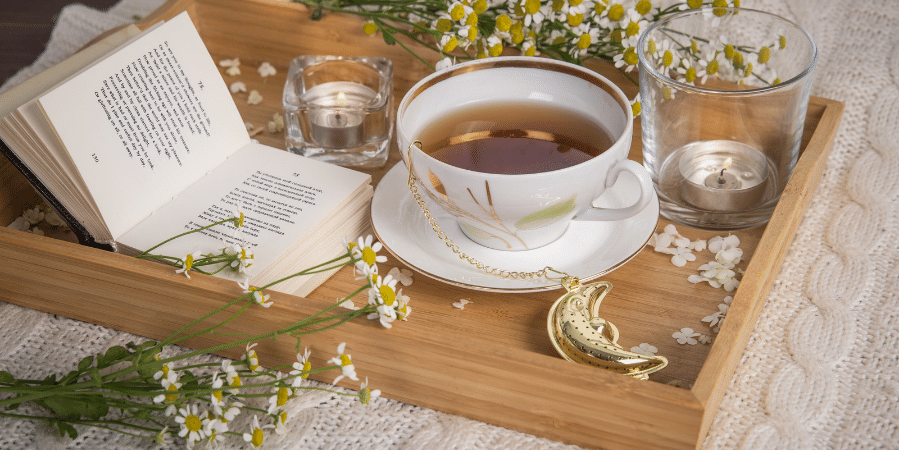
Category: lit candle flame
<point>341,98</point>
<point>727,163</point>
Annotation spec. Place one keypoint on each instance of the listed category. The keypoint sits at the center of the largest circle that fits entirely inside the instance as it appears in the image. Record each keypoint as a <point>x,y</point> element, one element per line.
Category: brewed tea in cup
<point>514,148</point>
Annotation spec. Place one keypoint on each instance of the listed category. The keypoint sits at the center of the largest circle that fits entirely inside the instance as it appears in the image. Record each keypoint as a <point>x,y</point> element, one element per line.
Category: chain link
<point>564,278</point>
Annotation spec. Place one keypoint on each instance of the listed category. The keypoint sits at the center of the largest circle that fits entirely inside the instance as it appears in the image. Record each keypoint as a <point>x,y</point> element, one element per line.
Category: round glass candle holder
<point>736,85</point>
<point>340,109</point>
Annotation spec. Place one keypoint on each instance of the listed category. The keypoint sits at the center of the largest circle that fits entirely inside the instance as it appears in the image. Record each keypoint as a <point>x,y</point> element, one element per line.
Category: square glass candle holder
<point>340,109</point>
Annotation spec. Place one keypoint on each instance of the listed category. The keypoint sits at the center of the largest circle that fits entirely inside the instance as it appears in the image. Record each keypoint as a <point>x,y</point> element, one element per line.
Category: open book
<point>137,139</point>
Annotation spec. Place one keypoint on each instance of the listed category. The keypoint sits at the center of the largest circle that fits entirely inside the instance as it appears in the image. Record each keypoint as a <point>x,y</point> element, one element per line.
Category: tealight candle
<point>723,176</point>
<point>340,124</point>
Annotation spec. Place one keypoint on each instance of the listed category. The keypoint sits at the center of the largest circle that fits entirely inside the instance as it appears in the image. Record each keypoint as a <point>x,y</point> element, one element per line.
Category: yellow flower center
<point>368,255</point>
<point>693,47</point>
<point>472,33</point>
<point>516,28</point>
<point>443,25</point>
<point>748,70</point>
<point>782,42</point>
<point>632,29</point>
<point>630,57</point>
<point>307,366</point>
<point>712,68</point>
<point>517,38</point>
<point>217,395</point>
<point>503,23</point>
<point>345,360</point>
<point>729,51</point>
<point>635,107</point>
<point>738,59</point>
<point>450,45</point>
<point>643,7</point>
<point>616,12</point>
<point>282,417</point>
<point>458,12</point>
<point>690,76</point>
<point>599,7</point>
<point>170,398</point>
<point>252,360</point>
<point>584,41</point>
<point>193,423</point>
<point>667,94</point>
<point>283,395</point>
<point>240,221</point>
<point>719,7</point>
<point>667,58</point>
<point>651,46</point>
<point>369,28</point>
<point>776,81</point>
<point>236,382</point>
<point>188,262</point>
<point>479,6</point>
<point>575,19</point>
<point>574,2</point>
<point>532,6</point>
<point>616,35</point>
<point>472,19</point>
<point>256,440</point>
<point>764,55</point>
<point>694,4</point>
<point>495,50</point>
<point>531,51</point>
<point>558,4</point>
<point>365,395</point>
<point>387,295</point>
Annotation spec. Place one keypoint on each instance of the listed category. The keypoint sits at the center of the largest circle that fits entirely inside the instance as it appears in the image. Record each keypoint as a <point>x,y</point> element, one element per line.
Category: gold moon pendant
<point>580,335</point>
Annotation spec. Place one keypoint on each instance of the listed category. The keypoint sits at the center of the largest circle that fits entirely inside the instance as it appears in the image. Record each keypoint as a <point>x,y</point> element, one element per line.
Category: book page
<point>282,196</point>
<point>146,122</point>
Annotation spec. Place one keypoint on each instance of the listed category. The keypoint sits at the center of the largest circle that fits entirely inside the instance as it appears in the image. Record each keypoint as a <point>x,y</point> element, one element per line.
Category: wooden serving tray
<point>492,361</point>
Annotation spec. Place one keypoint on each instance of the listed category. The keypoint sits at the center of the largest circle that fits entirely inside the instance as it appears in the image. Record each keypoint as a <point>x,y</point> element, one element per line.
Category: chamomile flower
<point>192,423</point>
<point>585,36</point>
<point>188,262</point>
<point>534,12</point>
<point>256,436</point>
<point>345,363</point>
<point>251,359</point>
<point>444,63</point>
<point>243,257</point>
<point>301,368</point>
<point>646,9</point>
<point>667,57</point>
<point>228,412</point>
<point>171,386</point>
<point>366,395</point>
<point>281,423</point>
<point>232,378</point>
<point>215,430</point>
<point>635,24</point>
<point>402,307</point>
<point>383,296</point>
<point>162,438</point>
<point>448,43</point>
<point>611,16</point>
<point>366,251</point>
<point>216,397</point>
<point>628,58</point>
<point>688,74</point>
<point>280,395</point>
<point>494,45</point>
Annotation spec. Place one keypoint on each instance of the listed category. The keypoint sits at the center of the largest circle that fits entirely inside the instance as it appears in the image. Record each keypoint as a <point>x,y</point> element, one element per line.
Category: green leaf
<point>93,407</point>
<point>6,377</point>
<point>113,355</point>
<point>388,38</point>
<point>65,429</point>
<point>85,363</point>
<point>188,381</point>
<point>547,216</point>
<point>62,407</point>
<point>95,375</point>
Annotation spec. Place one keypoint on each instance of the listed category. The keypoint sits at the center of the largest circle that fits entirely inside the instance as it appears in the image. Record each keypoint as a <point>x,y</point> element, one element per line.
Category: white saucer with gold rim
<point>587,250</point>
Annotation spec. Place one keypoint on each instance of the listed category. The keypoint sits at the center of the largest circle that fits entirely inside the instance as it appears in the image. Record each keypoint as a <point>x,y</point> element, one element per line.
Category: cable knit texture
<point>820,370</point>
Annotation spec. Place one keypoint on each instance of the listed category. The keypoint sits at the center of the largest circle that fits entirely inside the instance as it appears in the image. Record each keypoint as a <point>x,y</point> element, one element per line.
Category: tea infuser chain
<point>568,282</point>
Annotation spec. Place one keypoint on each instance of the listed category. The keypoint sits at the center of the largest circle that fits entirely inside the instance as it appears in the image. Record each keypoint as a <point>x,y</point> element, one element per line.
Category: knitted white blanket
<point>820,371</point>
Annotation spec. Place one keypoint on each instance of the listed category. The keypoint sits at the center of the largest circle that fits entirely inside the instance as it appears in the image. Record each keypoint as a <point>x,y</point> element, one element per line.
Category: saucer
<point>587,250</point>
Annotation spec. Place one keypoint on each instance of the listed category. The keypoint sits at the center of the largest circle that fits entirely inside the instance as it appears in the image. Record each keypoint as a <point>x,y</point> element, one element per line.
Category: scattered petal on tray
<point>461,303</point>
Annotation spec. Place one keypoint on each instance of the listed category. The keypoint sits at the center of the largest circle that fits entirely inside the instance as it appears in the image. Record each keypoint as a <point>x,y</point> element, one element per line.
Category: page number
<point>200,83</point>
<point>96,158</point>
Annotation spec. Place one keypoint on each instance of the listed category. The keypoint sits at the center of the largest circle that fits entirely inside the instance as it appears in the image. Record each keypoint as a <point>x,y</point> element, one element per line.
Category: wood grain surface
<point>491,361</point>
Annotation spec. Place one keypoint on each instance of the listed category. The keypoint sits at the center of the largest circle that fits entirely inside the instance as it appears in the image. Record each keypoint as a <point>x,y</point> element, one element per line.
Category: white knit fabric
<point>821,369</point>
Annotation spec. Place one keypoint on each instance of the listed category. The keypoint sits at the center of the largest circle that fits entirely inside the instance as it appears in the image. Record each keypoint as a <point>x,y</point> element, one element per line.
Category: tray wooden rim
<point>53,273</point>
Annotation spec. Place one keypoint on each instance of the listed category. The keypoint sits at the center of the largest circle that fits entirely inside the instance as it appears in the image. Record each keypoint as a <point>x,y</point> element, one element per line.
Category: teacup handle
<point>646,190</point>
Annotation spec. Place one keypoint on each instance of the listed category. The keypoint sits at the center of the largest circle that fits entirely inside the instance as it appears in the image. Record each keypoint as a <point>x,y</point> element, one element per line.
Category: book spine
<point>84,238</point>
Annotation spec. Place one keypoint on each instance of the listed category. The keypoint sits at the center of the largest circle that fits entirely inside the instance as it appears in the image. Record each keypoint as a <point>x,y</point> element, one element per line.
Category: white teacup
<point>529,210</point>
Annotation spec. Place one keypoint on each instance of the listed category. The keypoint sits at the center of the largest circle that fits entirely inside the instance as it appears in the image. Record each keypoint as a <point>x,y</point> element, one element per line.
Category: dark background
<point>25,27</point>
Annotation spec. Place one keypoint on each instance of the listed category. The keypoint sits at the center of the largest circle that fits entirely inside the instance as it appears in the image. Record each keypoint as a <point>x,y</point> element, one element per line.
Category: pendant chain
<point>566,280</point>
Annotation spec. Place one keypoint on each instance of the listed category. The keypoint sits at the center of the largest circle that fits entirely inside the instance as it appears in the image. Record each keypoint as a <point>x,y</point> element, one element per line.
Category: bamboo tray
<point>492,361</point>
